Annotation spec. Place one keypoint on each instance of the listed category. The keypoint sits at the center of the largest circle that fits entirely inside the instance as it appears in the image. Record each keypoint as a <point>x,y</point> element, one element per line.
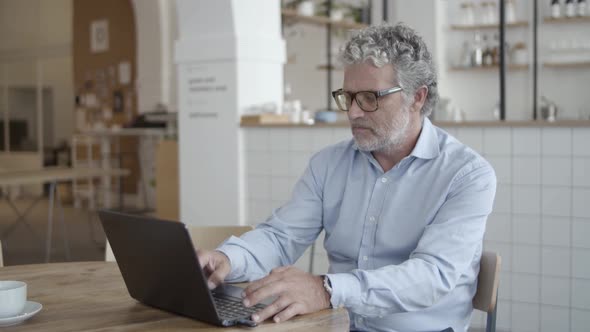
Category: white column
<point>230,56</point>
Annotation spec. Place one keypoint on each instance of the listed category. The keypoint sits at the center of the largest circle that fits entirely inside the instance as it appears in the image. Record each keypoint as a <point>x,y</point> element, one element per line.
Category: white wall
<point>157,30</point>
<point>540,224</point>
<point>37,30</point>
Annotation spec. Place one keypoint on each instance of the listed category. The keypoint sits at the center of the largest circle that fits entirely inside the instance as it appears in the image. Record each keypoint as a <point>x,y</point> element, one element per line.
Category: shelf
<point>488,26</point>
<point>292,15</point>
<point>473,124</point>
<point>560,65</point>
<point>575,19</point>
<point>326,67</point>
<point>488,68</point>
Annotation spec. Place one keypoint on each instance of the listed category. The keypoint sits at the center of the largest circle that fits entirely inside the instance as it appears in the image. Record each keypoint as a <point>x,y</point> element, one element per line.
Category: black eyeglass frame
<point>377,95</point>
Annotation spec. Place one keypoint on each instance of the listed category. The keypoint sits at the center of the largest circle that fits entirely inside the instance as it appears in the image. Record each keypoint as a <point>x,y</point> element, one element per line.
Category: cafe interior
<point>205,114</point>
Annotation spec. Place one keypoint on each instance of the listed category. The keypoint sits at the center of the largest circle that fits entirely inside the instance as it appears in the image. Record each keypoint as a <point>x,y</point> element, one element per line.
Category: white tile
<point>525,317</point>
<point>554,319</point>
<point>503,168</point>
<point>280,188</point>
<point>526,141</point>
<point>478,319</point>
<point>526,259</point>
<point>557,201</point>
<point>279,164</point>
<point>341,134</point>
<point>505,285</point>
<point>526,170</point>
<point>581,293</point>
<point>300,139</point>
<point>503,199</point>
<point>279,139</point>
<point>257,139</point>
<point>526,287</point>
<point>320,264</point>
<point>581,177</point>
<point>526,229</point>
<point>581,263</point>
<point>258,187</point>
<point>498,227</point>
<point>258,163</point>
<point>581,203</point>
<point>556,231</point>
<point>504,316</point>
<point>504,250</point>
<point>497,141</point>
<point>298,162</point>
<point>581,233</point>
<point>258,211</point>
<point>580,320</point>
<point>556,261</point>
<point>303,262</point>
<point>526,199</point>
<point>472,137</point>
<point>321,138</point>
<point>556,141</point>
<point>555,291</point>
<point>581,139</point>
<point>557,171</point>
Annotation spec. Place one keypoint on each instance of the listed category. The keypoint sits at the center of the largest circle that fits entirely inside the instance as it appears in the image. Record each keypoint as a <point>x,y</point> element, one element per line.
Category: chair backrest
<point>203,237</point>
<point>1,256</point>
<point>488,280</point>
<point>209,237</point>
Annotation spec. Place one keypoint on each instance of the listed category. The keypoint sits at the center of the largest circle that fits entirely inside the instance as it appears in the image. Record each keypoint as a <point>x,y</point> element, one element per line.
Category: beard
<point>381,136</point>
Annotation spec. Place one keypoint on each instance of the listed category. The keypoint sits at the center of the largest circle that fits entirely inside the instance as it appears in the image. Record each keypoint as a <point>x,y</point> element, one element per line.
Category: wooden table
<point>91,296</point>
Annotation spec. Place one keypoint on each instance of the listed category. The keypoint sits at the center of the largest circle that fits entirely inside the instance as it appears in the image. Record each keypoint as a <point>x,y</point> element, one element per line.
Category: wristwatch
<point>328,287</point>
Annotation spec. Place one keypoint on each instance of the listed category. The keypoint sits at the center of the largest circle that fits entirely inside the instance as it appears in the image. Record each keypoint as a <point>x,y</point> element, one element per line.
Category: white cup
<point>13,297</point>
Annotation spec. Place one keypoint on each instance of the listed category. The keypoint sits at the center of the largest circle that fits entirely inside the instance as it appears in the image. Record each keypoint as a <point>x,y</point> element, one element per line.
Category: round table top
<point>91,296</point>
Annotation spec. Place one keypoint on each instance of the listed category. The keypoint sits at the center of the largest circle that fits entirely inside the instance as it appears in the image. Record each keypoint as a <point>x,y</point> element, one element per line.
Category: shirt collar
<point>427,144</point>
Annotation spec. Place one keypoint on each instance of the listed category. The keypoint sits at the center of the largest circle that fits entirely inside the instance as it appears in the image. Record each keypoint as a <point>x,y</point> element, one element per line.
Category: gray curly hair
<point>402,47</point>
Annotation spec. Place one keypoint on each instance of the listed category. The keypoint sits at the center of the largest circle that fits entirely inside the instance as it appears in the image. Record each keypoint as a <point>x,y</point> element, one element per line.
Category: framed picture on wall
<point>99,36</point>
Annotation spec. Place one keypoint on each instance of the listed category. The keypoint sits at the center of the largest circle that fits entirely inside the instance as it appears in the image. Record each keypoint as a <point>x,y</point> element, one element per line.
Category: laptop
<point>161,269</point>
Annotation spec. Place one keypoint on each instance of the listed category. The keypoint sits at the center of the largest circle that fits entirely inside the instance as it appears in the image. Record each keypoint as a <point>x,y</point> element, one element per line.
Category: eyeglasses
<point>368,101</point>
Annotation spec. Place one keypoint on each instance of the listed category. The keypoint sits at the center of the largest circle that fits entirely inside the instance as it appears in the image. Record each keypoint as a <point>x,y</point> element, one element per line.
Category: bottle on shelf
<point>465,58</point>
<point>495,50</point>
<point>477,51</point>
<point>510,11</point>
<point>555,9</point>
<point>582,8</point>
<point>487,55</point>
<point>570,8</point>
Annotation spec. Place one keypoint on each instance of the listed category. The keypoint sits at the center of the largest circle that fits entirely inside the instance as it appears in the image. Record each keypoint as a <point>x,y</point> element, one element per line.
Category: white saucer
<point>31,308</point>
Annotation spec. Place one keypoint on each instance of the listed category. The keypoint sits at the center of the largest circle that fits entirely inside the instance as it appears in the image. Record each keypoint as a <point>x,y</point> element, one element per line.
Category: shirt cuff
<point>237,261</point>
<point>345,288</point>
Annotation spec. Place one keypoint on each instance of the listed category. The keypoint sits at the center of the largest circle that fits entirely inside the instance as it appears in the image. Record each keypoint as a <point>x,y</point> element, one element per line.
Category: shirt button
<point>365,258</point>
<point>383,180</point>
<point>360,320</point>
<point>372,218</point>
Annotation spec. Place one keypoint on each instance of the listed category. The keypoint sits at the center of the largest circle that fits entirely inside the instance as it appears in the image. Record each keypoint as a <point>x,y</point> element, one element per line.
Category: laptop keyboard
<point>231,307</point>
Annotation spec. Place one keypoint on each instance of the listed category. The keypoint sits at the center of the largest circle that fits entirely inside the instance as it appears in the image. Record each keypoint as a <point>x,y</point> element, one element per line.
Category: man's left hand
<point>296,293</point>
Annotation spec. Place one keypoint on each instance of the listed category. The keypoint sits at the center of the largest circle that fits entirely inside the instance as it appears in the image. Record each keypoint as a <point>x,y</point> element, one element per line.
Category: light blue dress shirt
<point>404,245</point>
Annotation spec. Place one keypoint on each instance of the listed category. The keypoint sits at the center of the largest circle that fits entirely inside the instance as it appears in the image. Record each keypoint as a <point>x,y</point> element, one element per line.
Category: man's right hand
<point>216,266</point>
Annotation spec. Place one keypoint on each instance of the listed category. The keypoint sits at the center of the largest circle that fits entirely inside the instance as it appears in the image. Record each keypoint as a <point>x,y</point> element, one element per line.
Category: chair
<point>203,237</point>
<point>209,237</point>
<point>486,295</point>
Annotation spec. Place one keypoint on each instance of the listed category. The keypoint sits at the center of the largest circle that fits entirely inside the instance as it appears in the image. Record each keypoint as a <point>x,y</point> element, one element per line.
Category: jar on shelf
<point>555,8</point>
<point>510,11</point>
<point>489,13</point>
<point>467,16</point>
<point>519,54</point>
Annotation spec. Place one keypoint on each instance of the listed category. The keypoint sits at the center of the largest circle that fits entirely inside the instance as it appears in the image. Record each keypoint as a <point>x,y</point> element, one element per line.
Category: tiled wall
<point>540,224</point>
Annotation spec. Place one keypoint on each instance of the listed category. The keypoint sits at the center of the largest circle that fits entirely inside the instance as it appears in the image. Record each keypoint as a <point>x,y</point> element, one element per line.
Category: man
<point>403,206</point>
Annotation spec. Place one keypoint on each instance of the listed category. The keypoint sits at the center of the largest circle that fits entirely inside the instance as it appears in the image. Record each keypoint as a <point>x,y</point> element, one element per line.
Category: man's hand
<point>216,266</point>
<point>297,293</point>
